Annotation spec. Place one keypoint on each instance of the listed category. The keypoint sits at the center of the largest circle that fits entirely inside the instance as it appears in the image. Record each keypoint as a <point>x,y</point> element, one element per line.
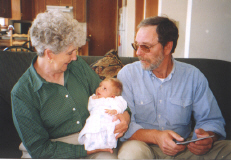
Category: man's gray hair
<point>56,31</point>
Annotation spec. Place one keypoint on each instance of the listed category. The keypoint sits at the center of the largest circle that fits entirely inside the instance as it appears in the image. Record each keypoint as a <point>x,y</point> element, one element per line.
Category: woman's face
<point>60,61</point>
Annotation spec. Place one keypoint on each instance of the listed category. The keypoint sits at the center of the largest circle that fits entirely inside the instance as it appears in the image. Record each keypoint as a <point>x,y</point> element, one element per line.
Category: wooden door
<point>101,26</point>
<point>151,8</point>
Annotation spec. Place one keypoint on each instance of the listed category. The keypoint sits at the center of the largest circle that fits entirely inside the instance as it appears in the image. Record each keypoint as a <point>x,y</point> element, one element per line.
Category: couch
<point>14,64</point>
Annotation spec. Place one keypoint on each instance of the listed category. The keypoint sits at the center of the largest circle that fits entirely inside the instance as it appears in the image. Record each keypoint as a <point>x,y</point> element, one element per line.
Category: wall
<point>177,10</point>
<point>204,27</point>
<point>210,34</point>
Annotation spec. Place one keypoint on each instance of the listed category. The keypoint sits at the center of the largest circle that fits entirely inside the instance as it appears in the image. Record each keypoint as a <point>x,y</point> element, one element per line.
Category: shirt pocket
<point>180,111</point>
<point>145,109</point>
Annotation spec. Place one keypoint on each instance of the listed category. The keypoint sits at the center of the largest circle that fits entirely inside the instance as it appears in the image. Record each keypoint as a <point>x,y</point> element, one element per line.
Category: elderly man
<point>162,94</point>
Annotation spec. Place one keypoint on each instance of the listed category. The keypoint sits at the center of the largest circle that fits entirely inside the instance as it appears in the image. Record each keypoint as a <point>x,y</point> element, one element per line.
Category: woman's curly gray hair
<point>56,31</point>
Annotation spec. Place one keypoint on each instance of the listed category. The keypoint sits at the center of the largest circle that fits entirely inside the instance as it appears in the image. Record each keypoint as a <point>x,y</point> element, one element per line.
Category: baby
<point>98,132</point>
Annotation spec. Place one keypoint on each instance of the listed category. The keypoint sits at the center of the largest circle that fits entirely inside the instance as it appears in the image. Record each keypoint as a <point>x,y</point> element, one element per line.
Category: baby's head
<point>109,87</point>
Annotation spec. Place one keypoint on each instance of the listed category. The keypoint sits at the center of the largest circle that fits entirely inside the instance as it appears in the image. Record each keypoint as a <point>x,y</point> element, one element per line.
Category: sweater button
<point>77,122</point>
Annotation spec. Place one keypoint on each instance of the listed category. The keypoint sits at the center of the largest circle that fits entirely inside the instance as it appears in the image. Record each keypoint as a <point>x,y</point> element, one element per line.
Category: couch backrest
<point>218,74</point>
<point>12,66</point>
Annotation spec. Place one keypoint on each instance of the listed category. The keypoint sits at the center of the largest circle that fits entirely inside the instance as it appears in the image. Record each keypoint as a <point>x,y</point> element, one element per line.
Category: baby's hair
<point>117,84</point>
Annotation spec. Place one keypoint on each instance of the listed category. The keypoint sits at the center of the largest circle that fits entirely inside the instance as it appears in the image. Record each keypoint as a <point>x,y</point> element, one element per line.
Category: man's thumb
<point>199,131</point>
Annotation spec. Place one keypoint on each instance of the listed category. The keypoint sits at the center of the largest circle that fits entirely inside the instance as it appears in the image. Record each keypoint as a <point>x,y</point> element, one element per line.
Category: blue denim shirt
<point>169,104</point>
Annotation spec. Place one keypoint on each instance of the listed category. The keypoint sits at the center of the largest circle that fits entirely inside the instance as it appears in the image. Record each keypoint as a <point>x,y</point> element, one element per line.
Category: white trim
<point>188,29</point>
<point>129,29</point>
<point>145,4</point>
<point>159,7</point>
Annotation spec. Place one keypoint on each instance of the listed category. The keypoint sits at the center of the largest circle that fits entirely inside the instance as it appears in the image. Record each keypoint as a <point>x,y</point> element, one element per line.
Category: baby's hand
<point>111,112</point>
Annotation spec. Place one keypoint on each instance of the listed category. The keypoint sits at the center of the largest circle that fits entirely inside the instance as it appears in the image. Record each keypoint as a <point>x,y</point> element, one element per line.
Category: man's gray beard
<point>156,65</point>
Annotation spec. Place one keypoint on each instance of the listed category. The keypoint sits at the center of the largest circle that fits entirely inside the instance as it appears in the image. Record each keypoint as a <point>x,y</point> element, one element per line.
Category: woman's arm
<point>122,127</point>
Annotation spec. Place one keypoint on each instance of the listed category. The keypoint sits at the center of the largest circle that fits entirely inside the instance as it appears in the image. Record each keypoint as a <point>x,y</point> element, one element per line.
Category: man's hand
<point>99,150</point>
<point>202,146</point>
<point>122,127</point>
<point>164,139</point>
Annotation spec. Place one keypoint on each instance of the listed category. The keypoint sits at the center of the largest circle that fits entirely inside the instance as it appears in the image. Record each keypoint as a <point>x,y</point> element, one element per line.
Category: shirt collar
<point>37,80</point>
<point>171,73</point>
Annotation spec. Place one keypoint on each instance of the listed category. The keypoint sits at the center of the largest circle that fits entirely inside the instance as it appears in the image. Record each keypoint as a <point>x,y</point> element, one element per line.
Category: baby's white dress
<point>98,132</point>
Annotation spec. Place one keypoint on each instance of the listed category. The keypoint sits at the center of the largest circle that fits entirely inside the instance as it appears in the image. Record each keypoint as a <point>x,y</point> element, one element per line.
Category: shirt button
<point>162,128</point>
<point>73,109</point>
<point>66,96</point>
<point>160,101</point>
<point>77,122</point>
<point>141,102</point>
<point>159,115</point>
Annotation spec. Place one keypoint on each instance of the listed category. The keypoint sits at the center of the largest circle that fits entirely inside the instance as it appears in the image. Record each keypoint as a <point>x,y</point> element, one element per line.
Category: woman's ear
<point>168,48</point>
<point>48,53</point>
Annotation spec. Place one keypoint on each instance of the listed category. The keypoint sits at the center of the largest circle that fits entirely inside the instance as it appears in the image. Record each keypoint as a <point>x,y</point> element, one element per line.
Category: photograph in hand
<point>193,140</point>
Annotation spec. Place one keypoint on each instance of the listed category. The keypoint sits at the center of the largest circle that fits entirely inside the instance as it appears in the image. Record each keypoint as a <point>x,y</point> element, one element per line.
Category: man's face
<point>150,52</point>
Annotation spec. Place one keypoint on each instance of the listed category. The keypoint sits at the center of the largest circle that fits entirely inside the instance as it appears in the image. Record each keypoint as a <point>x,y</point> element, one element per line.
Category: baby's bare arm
<point>111,112</point>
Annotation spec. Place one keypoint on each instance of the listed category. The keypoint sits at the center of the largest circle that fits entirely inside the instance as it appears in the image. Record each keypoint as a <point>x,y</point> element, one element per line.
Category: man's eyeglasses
<point>144,48</point>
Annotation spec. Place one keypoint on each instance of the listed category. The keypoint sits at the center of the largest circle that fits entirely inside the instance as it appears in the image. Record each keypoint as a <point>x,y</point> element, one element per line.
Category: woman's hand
<point>122,127</point>
<point>111,112</point>
<point>100,150</point>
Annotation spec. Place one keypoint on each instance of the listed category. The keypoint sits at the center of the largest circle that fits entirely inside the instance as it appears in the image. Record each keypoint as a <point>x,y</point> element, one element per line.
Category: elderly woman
<point>49,102</point>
